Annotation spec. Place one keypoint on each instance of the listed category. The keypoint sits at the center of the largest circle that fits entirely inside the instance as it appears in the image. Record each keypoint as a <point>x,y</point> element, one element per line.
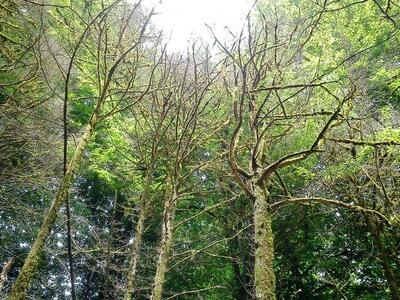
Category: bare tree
<point>105,80</point>
<point>273,95</point>
<point>192,97</point>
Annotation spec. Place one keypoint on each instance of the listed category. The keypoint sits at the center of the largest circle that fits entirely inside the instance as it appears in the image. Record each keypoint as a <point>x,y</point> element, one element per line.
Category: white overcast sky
<point>183,19</point>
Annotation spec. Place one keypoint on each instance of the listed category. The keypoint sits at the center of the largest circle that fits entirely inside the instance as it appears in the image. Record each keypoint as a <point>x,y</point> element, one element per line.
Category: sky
<point>184,19</point>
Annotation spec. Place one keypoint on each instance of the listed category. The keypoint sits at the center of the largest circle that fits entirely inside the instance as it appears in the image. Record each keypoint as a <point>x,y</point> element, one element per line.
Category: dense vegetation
<point>266,167</point>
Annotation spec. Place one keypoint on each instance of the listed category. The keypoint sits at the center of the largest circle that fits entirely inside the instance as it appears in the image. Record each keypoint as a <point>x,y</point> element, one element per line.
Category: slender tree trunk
<point>67,204</point>
<point>135,251</point>
<point>166,241</point>
<point>4,272</point>
<point>106,288</point>
<point>28,270</point>
<point>264,276</point>
<point>138,235</point>
<point>69,247</point>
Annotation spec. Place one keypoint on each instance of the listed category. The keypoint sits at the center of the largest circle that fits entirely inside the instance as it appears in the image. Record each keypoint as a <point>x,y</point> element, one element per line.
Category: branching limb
<point>318,200</point>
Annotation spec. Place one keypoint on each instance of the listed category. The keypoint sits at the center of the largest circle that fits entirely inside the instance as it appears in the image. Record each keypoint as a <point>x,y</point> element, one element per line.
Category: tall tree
<point>105,83</point>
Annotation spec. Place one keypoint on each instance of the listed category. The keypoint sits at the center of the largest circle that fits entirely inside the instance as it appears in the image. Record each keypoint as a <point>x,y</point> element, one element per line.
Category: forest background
<point>263,167</point>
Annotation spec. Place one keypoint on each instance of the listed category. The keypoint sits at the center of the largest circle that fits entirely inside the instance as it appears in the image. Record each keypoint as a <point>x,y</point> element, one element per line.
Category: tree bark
<point>135,252</point>
<point>24,279</point>
<point>264,276</point>
<point>106,287</point>
<point>139,230</point>
<point>4,272</point>
<point>165,248</point>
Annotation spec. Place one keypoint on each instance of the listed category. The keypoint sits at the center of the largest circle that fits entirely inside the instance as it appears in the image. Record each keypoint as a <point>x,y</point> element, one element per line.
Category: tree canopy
<point>264,166</point>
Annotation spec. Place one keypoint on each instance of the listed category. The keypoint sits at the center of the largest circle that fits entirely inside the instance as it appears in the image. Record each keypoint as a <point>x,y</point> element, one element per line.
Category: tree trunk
<point>264,276</point>
<point>135,252</point>
<point>106,287</point>
<point>166,241</point>
<point>24,279</point>
<point>139,230</point>
<point>4,273</point>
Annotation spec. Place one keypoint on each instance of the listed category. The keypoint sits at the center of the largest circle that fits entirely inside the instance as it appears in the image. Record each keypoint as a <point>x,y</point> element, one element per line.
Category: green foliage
<point>322,252</point>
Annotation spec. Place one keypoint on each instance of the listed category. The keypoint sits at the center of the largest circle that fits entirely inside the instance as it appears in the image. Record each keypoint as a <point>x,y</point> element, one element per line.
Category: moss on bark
<point>135,252</point>
<point>18,291</point>
<point>264,276</point>
<point>165,247</point>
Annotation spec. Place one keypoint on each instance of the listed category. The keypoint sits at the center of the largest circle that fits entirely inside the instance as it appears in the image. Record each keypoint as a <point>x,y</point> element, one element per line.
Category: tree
<point>264,167</point>
<point>105,80</point>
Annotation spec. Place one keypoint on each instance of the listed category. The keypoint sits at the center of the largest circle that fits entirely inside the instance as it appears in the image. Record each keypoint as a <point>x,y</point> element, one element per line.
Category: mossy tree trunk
<point>264,277</point>
<point>106,287</point>
<point>165,247</point>
<point>139,229</point>
<point>4,273</point>
<point>18,291</point>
